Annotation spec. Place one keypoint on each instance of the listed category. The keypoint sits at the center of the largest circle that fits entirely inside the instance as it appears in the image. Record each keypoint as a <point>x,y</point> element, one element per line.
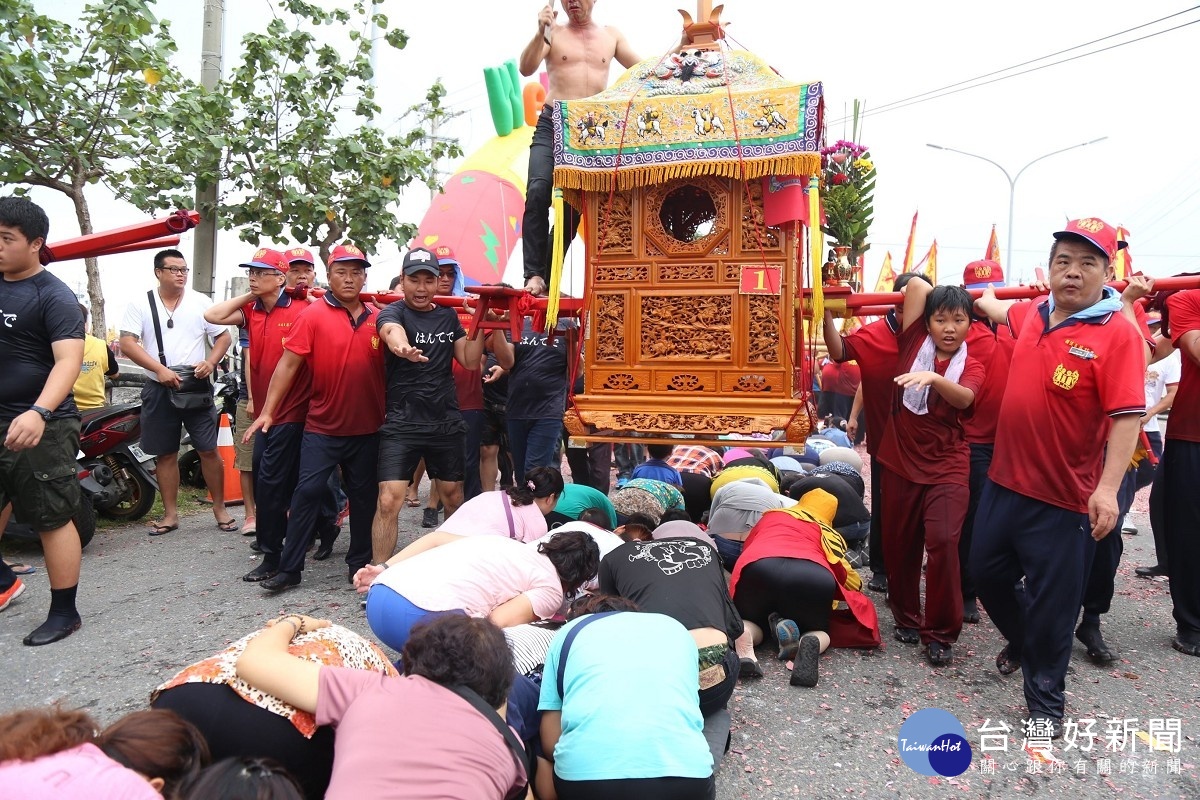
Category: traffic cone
<point>233,478</point>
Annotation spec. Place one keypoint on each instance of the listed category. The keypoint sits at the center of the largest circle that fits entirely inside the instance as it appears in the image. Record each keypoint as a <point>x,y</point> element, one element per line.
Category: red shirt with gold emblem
<point>267,331</point>
<point>1064,385</point>
<point>874,347</point>
<point>346,359</point>
<point>1183,311</point>
<point>993,348</point>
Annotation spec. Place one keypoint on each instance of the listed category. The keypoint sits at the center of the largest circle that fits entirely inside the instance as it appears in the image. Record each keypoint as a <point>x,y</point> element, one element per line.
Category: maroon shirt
<point>929,448</point>
<point>993,349</point>
<point>874,347</point>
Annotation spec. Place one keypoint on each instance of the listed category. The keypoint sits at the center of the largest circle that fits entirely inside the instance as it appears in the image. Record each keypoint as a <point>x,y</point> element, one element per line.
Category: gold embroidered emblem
<point>375,344</point>
<point>1091,225</point>
<point>983,272</point>
<point>1065,378</point>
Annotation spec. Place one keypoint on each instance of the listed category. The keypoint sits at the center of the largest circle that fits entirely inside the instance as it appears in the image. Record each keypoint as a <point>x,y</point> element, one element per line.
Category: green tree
<point>291,137</point>
<point>73,101</point>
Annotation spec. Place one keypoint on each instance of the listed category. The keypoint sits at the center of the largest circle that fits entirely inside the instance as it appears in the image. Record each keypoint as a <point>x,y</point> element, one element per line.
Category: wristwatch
<point>44,413</point>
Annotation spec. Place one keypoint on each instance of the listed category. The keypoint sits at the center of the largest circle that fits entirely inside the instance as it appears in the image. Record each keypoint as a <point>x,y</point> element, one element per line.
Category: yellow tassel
<point>553,291</point>
<point>816,248</point>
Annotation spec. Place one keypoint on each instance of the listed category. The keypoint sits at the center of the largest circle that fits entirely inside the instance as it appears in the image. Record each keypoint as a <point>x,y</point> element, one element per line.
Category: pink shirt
<point>81,773</point>
<point>486,515</point>
<point>477,574</point>
<point>409,738</point>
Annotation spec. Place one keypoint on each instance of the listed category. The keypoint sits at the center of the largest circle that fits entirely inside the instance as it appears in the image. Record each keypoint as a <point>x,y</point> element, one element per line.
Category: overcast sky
<point>1145,175</point>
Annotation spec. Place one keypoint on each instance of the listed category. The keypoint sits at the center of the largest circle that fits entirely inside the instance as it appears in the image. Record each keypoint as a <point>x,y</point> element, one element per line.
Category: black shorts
<point>495,429</point>
<point>162,421</point>
<point>41,482</point>
<point>399,454</point>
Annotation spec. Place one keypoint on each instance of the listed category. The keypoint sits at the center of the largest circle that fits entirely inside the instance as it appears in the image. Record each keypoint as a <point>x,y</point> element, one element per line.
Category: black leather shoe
<point>256,547</point>
<point>323,552</point>
<point>53,629</point>
<point>907,635</point>
<point>281,581</point>
<point>878,582</point>
<point>260,573</point>
<point>1156,571</point>
<point>1097,649</point>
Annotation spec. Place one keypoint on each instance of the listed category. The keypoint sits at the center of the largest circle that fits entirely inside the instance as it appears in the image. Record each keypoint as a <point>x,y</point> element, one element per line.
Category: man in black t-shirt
<point>537,394</point>
<point>41,353</point>
<point>423,420</point>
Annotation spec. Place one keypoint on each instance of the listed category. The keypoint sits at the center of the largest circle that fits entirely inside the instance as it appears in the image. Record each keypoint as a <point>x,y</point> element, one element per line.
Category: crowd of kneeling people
<point>553,643</point>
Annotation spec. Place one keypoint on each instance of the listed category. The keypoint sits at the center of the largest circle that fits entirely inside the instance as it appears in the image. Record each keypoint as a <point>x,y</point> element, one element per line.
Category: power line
<point>933,94</point>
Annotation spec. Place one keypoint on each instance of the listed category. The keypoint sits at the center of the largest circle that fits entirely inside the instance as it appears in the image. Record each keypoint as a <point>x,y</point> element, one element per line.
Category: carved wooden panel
<point>652,225</point>
<point>731,272</point>
<point>754,231</point>
<point>652,250</point>
<point>722,248</point>
<point>686,327</point>
<point>615,226</point>
<point>763,340</point>
<point>632,380</point>
<point>610,327</point>
<point>711,423</point>
<point>622,273</point>
<point>668,380</point>
<point>753,382</point>
<point>672,271</point>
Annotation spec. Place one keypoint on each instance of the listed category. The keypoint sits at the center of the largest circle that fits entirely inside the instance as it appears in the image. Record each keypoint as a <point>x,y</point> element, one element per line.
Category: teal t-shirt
<point>631,709</point>
<point>577,498</point>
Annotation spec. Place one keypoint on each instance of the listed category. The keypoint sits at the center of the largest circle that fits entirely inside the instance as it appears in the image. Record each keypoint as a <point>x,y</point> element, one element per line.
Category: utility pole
<point>204,254</point>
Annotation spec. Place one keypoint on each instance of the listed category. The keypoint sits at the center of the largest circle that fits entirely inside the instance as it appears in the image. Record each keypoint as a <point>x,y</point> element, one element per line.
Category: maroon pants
<point>920,518</point>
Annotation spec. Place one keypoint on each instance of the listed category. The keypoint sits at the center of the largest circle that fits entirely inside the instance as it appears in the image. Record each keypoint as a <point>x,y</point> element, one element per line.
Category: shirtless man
<point>577,57</point>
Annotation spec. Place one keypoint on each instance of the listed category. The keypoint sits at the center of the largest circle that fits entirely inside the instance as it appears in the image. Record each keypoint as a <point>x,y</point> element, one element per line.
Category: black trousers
<point>875,539</point>
<point>1181,514</point>
<point>637,789</point>
<point>981,462</point>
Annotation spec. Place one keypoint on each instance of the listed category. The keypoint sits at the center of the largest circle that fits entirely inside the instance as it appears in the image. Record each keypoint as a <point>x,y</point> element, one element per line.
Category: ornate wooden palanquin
<point>691,300</point>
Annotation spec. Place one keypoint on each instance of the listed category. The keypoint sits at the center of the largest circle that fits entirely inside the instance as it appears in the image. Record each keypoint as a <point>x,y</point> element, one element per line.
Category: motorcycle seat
<point>96,417</point>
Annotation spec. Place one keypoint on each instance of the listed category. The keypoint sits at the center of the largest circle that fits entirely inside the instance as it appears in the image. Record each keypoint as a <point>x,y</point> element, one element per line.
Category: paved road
<point>152,605</point>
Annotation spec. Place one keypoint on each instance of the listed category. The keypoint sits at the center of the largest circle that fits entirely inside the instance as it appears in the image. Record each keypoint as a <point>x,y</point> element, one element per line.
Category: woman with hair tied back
<point>505,580</point>
<point>243,779</point>
<point>518,512</point>
<point>55,754</point>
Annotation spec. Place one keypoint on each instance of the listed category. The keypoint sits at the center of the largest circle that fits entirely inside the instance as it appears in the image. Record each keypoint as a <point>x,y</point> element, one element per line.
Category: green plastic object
<point>514,93</point>
<point>496,79</point>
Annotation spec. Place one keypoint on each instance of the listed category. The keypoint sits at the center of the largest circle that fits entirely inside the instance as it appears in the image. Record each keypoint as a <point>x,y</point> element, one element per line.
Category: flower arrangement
<point>848,188</point>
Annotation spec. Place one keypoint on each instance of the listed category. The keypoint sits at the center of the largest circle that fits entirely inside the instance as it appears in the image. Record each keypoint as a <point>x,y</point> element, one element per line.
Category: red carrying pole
<point>150,244</point>
<point>857,301</point>
<point>104,242</point>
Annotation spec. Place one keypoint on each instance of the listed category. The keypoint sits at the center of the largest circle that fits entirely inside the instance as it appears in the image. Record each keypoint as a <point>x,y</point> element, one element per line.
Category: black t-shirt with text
<point>420,394</point>
<point>34,313</point>
<point>495,394</point>
<point>537,385</point>
<point>681,578</point>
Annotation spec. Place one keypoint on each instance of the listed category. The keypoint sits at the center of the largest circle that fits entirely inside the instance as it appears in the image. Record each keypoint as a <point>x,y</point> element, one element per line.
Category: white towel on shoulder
<point>916,398</point>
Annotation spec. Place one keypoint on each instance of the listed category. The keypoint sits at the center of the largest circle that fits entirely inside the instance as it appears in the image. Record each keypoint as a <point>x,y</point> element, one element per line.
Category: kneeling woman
<point>620,726</point>
<point>790,574</point>
<point>518,512</point>
<point>416,737</point>
<point>502,579</point>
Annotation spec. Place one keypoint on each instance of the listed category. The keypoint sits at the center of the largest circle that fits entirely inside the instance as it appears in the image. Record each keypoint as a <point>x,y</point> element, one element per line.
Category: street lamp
<point>1012,181</point>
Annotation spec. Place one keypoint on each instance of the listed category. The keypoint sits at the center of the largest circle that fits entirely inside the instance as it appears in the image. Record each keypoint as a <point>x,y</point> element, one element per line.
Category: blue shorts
<point>392,616</point>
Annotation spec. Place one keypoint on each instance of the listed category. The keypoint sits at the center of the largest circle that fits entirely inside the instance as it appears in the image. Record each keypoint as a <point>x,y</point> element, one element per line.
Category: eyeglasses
<point>176,270</point>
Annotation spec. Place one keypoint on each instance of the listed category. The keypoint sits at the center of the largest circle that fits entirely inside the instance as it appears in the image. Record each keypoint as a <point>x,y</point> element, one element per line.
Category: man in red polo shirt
<point>1181,467</point>
<point>268,314</point>
<point>337,337</point>
<point>874,348</point>
<point>1075,384</point>
<point>990,344</point>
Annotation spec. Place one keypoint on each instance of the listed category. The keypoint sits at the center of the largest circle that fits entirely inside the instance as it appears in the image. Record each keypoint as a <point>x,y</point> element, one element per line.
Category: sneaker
<point>344,513</point>
<point>749,668</point>
<point>787,634</point>
<point>808,654</point>
<point>1129,530</point>
<point>429,519</point>
<point>11,593</point>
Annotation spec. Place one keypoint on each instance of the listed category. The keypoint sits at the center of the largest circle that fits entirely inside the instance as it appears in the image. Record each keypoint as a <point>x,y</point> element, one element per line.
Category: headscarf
<point>738,506</point>
<point>844,455</point>
<point>645,496</point>
<point>678,528</point>
<point>844,471</point>
<point>746,468</point>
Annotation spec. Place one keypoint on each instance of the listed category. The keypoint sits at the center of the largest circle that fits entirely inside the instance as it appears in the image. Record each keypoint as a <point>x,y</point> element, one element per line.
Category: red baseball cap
<point>266,258</point>
<point>301,254</point>
<point>445,255</point>
<point>347,252</point>
<point>978,274</point>
<point>1096,231</point>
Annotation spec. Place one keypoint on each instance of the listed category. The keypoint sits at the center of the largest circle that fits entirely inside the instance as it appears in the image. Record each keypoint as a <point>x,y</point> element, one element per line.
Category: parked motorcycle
<point>114,472</point>
<point>84,519</point>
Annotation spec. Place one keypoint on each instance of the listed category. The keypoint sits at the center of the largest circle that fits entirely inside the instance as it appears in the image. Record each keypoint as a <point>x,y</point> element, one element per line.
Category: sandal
<point>21,569</point>
<point>413,502</point>
<point>229,526</point>
<point>160,529</point>
<point>1006,663</point>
